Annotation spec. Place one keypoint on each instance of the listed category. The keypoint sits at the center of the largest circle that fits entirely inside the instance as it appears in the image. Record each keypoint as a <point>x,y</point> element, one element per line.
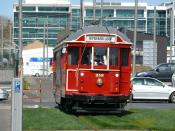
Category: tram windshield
<point>73,55</point>
<point>100,56</point>
<point>86,55</point>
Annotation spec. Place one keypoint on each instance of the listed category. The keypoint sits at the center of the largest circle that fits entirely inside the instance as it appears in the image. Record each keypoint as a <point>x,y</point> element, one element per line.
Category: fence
<point>6,75</point>
<point>39,92</point>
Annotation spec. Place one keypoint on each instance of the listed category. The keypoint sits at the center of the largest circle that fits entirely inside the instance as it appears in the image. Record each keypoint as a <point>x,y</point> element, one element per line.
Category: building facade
<point>42,21</point>
<point>148,53</point>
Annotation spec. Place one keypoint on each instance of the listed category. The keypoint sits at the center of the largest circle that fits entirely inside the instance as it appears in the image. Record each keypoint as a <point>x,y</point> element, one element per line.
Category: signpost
<point>17,91</point>
<point>16,105</point>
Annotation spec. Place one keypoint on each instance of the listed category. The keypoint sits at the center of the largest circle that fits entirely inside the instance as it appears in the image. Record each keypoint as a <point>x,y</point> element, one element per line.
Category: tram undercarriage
<point>93,104</point>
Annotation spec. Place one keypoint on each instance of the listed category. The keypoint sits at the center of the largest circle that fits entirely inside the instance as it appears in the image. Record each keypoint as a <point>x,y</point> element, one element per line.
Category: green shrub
<point>26,84</point>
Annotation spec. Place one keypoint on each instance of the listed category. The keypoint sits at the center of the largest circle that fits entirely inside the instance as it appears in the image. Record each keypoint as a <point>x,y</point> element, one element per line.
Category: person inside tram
<point>100,54</point>
<point>98,60</point>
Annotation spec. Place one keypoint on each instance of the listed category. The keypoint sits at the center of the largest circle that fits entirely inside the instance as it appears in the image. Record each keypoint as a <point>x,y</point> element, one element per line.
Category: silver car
<point>3,94</point>
<point>146,88</point>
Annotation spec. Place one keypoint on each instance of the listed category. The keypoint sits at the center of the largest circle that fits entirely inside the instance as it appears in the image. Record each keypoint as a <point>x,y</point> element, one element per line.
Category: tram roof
<point>96,29</point>
<point>93,30</point>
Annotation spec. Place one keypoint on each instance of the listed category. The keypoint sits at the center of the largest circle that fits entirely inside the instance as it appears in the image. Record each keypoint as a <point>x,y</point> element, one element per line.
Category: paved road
<point>151,105</point>
<point>5,115</point>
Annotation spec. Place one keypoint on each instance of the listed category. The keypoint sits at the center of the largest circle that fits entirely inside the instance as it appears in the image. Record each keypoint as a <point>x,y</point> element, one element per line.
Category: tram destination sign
<point>108,39</point>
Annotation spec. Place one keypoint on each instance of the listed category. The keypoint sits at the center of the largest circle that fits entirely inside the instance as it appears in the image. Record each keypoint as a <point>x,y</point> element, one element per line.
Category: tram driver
<point>99,60</point>
<point>100,56</point>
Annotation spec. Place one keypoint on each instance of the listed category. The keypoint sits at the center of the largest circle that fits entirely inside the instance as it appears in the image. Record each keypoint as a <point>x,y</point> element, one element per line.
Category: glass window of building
<point>27,8</point>
<point>139,46</point>
<point>124,13</point>
<point>141,25</point>
<point>60,9</point>
<point>140,13</point>
<point>129,24</point>
<point>150,13</point>
<point>128,13</point>
<point>89,12</point>
<point>75,24</point>
<point>98,13</point>
<point>75,12</point>
<point>159,13</point>
<point>108,12</point>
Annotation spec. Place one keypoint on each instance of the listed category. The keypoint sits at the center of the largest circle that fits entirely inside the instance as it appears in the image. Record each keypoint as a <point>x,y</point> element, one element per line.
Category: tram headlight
<point>116,75</point>
<point>99,82</point>
<point>81,74</point>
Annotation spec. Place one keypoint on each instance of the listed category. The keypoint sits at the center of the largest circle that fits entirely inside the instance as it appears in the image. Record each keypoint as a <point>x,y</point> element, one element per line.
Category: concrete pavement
<point>5,124</point>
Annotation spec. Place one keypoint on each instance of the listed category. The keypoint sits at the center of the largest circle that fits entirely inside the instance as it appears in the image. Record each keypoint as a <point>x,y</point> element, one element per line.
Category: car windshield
<point>153,82</point>
<point>138,81</point>
<point>147,81</point>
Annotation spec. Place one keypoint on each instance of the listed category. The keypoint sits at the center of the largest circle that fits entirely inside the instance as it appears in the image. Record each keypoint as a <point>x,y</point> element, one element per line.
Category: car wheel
<point>172,97</point>
<point>37,74</point>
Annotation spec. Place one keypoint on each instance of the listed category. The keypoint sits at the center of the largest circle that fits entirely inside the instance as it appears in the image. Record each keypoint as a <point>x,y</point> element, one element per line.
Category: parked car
<point>39,72</point>
<point>146,88</point>
<point>162,72</point>
<point>3,94</point>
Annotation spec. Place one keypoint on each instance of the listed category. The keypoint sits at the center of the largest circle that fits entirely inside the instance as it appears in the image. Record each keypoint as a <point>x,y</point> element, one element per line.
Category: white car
<point>3,94</point>
<point>146,88</point>
<point>39,72</point>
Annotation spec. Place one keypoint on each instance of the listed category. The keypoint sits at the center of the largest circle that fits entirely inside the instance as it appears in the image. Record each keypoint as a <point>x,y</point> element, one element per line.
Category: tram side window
<point>113,57</point>
<point>58,68</point>
<point>86,55</point>
<point>100,56</point>
<point>124,55</point>
<point>73,55</point>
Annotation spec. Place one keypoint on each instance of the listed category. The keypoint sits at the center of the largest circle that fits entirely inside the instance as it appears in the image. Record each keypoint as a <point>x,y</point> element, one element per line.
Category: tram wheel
<point>66,105</point>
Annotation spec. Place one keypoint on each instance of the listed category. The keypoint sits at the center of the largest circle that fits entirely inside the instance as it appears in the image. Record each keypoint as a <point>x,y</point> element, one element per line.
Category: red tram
<point>92,70</point>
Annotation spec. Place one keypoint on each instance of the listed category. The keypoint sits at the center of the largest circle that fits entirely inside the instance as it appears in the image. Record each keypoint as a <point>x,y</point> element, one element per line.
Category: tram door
<point>125,68</point>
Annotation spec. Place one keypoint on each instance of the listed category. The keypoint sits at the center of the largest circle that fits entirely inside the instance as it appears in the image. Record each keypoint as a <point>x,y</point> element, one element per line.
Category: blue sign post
<point>16,105</point>
<point>17,86</point>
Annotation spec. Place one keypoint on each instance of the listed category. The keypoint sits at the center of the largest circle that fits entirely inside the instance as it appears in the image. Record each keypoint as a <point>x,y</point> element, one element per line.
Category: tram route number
<point>99,75</point>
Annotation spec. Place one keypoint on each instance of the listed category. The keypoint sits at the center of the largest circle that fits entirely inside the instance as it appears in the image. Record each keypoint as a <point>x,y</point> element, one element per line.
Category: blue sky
<point>6,6</point>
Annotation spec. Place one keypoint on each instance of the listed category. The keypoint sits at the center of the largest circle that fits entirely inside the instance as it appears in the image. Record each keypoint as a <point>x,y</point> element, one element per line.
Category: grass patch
<point>138,119</point>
